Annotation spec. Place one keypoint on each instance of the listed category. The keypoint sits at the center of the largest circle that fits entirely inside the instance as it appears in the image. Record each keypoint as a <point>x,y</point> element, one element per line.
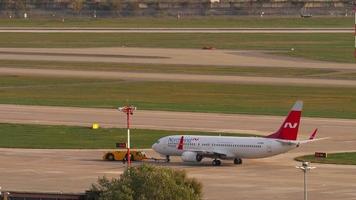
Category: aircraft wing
<point>214,154</point>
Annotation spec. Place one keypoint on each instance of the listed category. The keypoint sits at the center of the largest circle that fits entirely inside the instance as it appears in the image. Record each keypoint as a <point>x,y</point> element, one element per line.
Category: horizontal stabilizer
<point>298,142</point>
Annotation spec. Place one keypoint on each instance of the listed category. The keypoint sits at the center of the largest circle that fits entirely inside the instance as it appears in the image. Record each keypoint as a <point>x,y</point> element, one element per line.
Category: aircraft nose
<point>154,146</point>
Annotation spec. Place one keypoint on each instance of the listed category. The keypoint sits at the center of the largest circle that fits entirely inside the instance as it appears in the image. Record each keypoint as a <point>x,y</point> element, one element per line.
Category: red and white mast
<point>128,110</point>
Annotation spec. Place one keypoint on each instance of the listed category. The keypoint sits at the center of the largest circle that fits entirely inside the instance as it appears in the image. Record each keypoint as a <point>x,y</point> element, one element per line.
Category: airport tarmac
<point>271,178</point>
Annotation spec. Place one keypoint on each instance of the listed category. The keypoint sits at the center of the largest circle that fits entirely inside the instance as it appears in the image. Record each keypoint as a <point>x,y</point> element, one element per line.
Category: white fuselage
<point>230,147</point>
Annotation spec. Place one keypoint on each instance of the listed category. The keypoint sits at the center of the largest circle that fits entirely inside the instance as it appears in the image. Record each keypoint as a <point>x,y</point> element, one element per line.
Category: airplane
<point>193,148</point>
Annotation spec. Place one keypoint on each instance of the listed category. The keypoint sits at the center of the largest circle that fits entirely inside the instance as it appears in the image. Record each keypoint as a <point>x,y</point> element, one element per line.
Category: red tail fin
<point>290,126</point>
<point>180,145</point>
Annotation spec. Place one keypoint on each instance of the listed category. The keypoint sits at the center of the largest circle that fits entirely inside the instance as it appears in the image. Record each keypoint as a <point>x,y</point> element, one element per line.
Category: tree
<point>133,7</point>
<point>115,5</point>
<point>147,182</point>
<point>77,5</point>
<point>6,4</point>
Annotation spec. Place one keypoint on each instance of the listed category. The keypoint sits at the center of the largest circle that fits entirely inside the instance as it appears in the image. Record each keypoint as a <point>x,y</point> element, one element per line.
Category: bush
<point>147,182</point>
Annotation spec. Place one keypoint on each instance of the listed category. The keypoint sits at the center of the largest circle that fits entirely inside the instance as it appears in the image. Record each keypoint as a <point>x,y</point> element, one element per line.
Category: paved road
<point>177,77</point>
<point>173,30</point>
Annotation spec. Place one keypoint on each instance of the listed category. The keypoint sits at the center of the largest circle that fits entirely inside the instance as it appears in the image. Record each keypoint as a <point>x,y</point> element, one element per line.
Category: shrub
<point>147,182</point>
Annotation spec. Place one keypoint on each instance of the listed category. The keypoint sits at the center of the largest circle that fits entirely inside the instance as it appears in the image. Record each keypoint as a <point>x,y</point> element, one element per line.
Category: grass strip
<point>319,46</point>
<point>345,158</point>
<point>73,137</point>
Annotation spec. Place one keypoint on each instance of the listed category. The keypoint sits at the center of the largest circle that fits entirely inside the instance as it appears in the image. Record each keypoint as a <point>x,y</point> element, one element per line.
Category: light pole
<point>129,111</point>
<point>305,168</point>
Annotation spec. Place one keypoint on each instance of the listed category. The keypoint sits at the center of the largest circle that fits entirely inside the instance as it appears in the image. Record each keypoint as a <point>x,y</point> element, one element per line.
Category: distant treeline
<point>94,8</point>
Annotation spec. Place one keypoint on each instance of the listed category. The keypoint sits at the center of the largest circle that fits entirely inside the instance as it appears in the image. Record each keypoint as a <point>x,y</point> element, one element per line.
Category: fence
<point>42,8</point>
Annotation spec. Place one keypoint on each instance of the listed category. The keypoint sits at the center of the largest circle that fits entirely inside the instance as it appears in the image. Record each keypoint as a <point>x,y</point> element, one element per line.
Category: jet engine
<point>189,156</point>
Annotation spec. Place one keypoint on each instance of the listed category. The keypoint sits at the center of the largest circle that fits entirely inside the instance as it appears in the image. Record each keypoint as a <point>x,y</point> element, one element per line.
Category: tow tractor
<point>135,155</point>
<point>122,155</point>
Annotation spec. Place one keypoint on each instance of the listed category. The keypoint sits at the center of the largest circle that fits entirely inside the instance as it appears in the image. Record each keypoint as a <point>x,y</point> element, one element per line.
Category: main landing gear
<point>237,161</point>
<point>168,159</point>
<point>216,162</point>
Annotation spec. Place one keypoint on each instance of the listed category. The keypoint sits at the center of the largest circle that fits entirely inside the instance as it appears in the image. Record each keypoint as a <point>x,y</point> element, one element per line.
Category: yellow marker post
<point>95,126</point>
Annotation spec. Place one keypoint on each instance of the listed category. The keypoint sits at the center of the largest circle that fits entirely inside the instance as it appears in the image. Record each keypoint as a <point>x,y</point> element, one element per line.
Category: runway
<point>173,30</point>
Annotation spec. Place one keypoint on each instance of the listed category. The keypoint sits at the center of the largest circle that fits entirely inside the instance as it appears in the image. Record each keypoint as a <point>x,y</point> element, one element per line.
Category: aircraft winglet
<point>312,136</point>
<point>180,145</point>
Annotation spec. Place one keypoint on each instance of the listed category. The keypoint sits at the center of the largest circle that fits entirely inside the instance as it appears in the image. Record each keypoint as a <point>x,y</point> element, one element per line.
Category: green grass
<point>175,96</point>
<point>319,46</point>
<point>171,22</point>
<point>347,158</point>
<point>72,137</point>
<point>183,69</point>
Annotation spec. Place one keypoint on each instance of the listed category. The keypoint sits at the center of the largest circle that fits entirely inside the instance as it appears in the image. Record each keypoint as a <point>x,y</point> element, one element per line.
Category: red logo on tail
<point>290,125</point>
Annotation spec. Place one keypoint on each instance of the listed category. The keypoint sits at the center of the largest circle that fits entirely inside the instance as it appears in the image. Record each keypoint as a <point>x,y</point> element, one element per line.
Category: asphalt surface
<point>270,179</point>
<point>173,30</point>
